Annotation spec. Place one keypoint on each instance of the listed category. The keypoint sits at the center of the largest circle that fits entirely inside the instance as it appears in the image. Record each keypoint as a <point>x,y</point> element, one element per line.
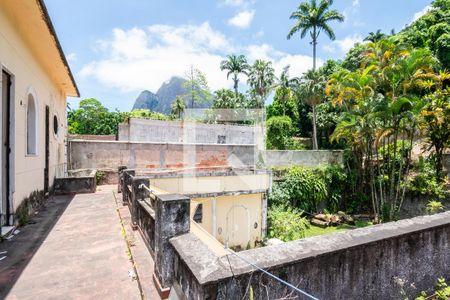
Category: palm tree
<point>285,86</point>
<point>235,65</point>
<point>312,88</point>
<point>375,37</point>
<point>383,104</point>
<point>261,79</point>
<point>178,106</point>
<point>314,18</point>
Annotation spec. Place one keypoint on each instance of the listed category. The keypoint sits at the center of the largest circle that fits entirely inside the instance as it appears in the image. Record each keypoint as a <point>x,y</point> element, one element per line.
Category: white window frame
<point>31,92</point>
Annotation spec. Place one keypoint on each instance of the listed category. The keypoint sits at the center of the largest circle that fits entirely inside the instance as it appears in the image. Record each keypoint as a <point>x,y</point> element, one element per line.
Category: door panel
<point>5,149</point>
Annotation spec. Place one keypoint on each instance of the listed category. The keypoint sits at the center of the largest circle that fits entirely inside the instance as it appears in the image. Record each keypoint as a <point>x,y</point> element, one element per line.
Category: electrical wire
<point>273,276</point>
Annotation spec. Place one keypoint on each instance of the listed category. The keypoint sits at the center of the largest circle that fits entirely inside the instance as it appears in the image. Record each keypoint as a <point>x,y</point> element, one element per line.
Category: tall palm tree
<point>375,37</point>
<point>235,65</point>
<point>286,86</point>
<point>261,79</point>
<point>314,17</point>
<point>312,89</point>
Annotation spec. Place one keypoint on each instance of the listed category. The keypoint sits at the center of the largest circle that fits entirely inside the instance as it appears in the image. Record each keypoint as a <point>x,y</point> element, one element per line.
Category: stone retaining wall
<point>376,262</point>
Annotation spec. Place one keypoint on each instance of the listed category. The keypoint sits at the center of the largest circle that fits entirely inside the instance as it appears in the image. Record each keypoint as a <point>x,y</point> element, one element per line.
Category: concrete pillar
<point>125,182</point>
<point>172,219</point>
<point>120,175</point>
<point>264,214</point>
<point>137,193</point>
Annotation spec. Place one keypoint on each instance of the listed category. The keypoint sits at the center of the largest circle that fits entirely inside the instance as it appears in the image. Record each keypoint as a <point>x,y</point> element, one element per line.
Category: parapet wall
<point>156,131</point>
<point>112,154</point>
<point>88,154</point>
<point>304,158</point>
<point>376,262</point>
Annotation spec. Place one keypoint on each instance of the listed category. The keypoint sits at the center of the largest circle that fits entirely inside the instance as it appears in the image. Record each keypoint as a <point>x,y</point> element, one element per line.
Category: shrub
<point>279,195</point>
<point>434,207</point>
<point>286,223</point>
<point>293,144</point>
<point>306,188</point>
<point>442,291</point>
<point>425,182</point>
<point>279,131</point>
<point>99,176</point>
<point>336,180</point>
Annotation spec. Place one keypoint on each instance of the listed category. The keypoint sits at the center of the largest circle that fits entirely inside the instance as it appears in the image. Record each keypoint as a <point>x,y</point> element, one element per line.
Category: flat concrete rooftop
<point>75,247</point>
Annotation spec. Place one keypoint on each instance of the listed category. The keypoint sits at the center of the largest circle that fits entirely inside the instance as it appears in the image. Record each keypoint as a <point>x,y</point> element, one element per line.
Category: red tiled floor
<point>79,254</point>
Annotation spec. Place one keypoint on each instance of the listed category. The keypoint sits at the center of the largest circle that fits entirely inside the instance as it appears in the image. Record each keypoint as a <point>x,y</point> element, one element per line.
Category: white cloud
<point>299,63</point>
<point>343,45</point>
<point>259,34</point>
<point>243,19</point>
<point>244,3</point>
<point>71,57</point>
<point>352,15</point>
<point>143,58</point>
<point>139,59</point>
<point>419,14</point>
<point>263,51</point>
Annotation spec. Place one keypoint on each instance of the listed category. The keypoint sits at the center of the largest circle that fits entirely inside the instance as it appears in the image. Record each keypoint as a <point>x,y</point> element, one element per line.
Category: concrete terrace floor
<point>75,248</point>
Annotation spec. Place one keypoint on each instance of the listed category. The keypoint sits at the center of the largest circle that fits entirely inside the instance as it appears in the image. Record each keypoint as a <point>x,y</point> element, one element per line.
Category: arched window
<point>31,125</point>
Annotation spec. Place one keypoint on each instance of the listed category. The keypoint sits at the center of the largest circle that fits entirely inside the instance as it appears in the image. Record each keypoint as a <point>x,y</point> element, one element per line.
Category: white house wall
<point>28,75</point>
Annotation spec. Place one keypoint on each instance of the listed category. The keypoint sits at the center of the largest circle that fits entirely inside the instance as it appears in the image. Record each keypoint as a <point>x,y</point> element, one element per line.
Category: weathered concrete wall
<point>144,130</point>
<point>446,163</point>
<point>304,158</point>
<point>112,154</point>
<point>367,263</point>
<point>83,182</point>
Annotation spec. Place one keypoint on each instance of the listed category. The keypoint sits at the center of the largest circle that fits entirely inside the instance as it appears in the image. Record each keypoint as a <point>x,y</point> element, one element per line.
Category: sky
<point>118,48</point>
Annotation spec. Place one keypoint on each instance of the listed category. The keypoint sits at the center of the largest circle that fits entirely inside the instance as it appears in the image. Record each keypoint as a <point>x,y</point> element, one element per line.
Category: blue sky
<point>117,48</point>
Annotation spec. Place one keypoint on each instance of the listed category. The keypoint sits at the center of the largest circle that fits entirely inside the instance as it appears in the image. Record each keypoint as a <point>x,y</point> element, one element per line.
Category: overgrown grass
<point>314,230</point>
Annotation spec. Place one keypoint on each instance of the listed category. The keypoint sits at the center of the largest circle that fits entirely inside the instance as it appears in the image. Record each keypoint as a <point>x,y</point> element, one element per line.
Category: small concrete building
<point>35,82</point>
<point>189,132</point>
<point>227,205</point>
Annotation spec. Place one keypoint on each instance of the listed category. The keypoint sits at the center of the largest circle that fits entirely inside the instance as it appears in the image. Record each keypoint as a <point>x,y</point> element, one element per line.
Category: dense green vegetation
<point>92,117</point>
<point>374,104</point>
<point>306,188</point>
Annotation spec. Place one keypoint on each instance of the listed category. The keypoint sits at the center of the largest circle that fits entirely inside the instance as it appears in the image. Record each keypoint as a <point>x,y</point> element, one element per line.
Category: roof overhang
<point>31,19</point>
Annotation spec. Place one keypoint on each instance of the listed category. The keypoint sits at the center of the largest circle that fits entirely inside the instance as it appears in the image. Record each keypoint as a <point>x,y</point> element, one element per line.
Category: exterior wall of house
<point>29,76</point>
<point>202,185</point>
<point>237,218</point>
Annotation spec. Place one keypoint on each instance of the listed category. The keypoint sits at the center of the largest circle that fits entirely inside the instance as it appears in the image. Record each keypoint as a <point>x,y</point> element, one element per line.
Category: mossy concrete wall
<point>303,158</point>
<point>85,154</point>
